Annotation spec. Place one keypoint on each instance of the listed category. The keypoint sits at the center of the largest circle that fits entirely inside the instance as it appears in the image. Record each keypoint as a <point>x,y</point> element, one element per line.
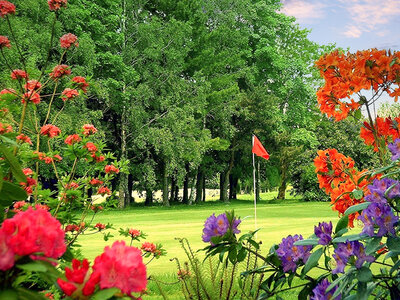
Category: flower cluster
<point>5,128</point>
<point>67,40</point>
<point>385,129</point>
<point>59,71</point>
<point>324,232</point>
<point>89,129</point>
<point>56,4</point>
<point>6,8</point>
<point>69,94</point>
<point>291,255</point>
<point>344,251</point>
<point>80,82</point>
<point>320,293</point>
<point>18,75</point>
<point>111,169</point>
<point>30,182</point>
<point>395,149</point>
<point>24,139</point>
<point>4,42</point>
<point>219,226</point>
<point>73,139</point>
<point>50,130</point>
<point>33,232</point>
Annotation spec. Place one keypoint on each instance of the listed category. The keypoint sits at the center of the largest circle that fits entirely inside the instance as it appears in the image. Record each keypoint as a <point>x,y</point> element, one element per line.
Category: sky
<point>357,24</point>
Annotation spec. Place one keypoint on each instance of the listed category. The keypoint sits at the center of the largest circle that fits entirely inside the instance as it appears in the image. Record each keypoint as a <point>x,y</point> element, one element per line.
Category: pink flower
<point>72,139</point>
<point>33,85</point>
<point>67,40</point>
<point>18,74</point>
<point>57,157</point>
<point>27,171</point>
<point>8,91</point>
<point>4,42</point>
<point>24,139</point>
<point>69,94</point>
<point>111,169</point>
<point>56,4</point>
<point>34,232</point>
<point>122,267</point>
<point>60,71</point>
<point>134,233</point>
<point>89,129</point>
<point>148,247</point>
<point>31,96</point>
<point>50,130</point>
<point>6,254</point>
<point>81,83</point>
<point>6,8</point>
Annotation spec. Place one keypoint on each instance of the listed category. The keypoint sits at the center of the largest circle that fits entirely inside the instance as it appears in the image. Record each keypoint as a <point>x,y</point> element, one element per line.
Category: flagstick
<point>254,185</point>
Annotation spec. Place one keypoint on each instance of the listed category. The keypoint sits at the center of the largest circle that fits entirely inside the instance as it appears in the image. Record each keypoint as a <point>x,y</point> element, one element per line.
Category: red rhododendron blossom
<point>89,129</point>
<point>81,83</point>
<point>134,233</point>
<point>4,42</point>
<point>5,128</point>
<point>122,267</point>
<point>96,208</point>
<point>24,139</point>
<point>67,40</point>
<point>34,231</point>
<point>72,186</point>
<point>95,182</point>
<point>111,169</point>
<point>30,182</point>
<point>57,157</point>
<point>79,280</point>
<point>33,85</point>
<point>91,147</point>
<point>31,96</point>
<point>148,247</point>
<point>71,228</point>
<point>48,160</point>
<point>60,71</point>
<point>56,4</point>
<point>27,171</point>
<point>50,130</point>
<point>19,204</point>
<point>40,155</point>
<point>6,253</point>
<point>100,226</point>
<point>98,158</point>
<point>104,191</point>
<point>69,94</point>
<point>73,139</point>
<point>6,8</point>
<point>8,91</point>
<point>19,74</point>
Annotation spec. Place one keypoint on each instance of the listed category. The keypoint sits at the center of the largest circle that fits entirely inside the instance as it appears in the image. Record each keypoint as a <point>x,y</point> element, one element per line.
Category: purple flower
<point>345,250</point>
<point>219,226</point>
<point>380,215</point>
<point>290,255</point>
<point>379,187</point>
<point>320,292</point>
<point>395,149</point>
<point>359,252</point>
<point>324,232</point>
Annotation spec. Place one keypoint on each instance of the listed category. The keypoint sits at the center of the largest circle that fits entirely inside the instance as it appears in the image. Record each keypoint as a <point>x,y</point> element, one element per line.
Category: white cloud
<point>352,31</point>
<point>304,11</point>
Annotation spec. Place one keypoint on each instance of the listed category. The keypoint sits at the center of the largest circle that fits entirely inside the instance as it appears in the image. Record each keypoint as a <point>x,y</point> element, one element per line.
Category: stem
<point>374,132</point>
<point>16,43</point>
<point>55,118</point>
<point>51,102</point>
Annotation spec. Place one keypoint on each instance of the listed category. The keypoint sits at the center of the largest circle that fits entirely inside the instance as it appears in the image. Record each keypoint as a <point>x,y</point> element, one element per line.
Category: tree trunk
<point>149,197</point>
<point>221,186</point>
<point>225,180</point>
<point>123,177</point>
<point>173,185</point>
<point>199,185</point>
<point>233,182</point>
<point>176,196</point>
<point>191,198</point>
<point>204,188</point>
<point>165,185</point>
<point>186,185</point>
<point>130,189</point>
<point>282,187</point>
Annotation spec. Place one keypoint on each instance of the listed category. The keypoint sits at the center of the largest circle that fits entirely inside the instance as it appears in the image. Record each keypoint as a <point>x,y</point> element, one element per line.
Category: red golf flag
<point>258,148</point>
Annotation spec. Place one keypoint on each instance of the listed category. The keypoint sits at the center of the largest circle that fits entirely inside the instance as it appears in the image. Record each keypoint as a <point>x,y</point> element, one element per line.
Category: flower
<point>395,149</point>
<point>6,8</point>
<point>134,233</point>
<point>79,280</point>
<point>344,251</point>
<point>72,139</point>
<point>71,228</point>
<point>24,139</point>
<point>100,226</point>
<point>6,253</point>
<point>81,83</point>
<point>324,232</point>
<point>50,130</point>
<point>34,232</point>
<point>111,169</point>
<point>96,208</point>
<point>72,186</point>
<point>122,267</point>
<point>33,85</point>
<point>376,191</point>
<point>380,215</point>
<point>148,247</point>
<point>4,42</point>
<point>18,74</point>
<point>98,158</point>
<point>60,71</point>
<point>56,4</point>
<point>219,226</point>
<point>104,191</point>
<point>95,182</point>
<point>67,40</point>
<point>27,171</point>
<point>290,255</point>
<point>320,293</point>
<point>5,128</point>
<point>8,91</point>
<point>89,129</point>
<point>31,96</point>
<point>69,94</point>
<point>91,147</point>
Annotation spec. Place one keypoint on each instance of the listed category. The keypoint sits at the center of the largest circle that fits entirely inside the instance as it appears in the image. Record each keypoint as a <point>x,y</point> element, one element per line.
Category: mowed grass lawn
<point>276,219</point>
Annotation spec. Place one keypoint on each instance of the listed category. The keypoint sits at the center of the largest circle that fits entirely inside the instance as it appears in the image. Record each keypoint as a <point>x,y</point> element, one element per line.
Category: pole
<point>254,186</point>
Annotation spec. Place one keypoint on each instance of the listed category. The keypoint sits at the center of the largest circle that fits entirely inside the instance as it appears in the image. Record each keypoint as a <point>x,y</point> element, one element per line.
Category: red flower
<point>5,128</point>
<point>68,94</point>
<point>134,233</point>
<point>122,267</point>
<point>27,171</point>
<point>78,279</point>
<point>89,129</point>
<point>73,185</point>
<point>31,96</point>
<point>6,253</point>
<point>148,247</point>
<point>91,147</point>
<point>71,227</point>
<point>60,71</point>
<point>4,42</point>
<point>33,232</point>
<point>95,182</point>
<point>100,226</point>
<point>33,85</point>
<point>57,157</point>
<point>8,91</point>
<point>96,208</point>
<point>67,40</point>
<point>56,4</point>
<point>18,74</point>
<point>6,8</point>
<point>27,186</point>
<point>50,130</point>
<point>72,139</point>
<point>48,160</point>
<point>111,169</point>
<point>19,204</point>
<point>104,191</point>
<point>98,158</point>
<point>81,83</point>
<point>24,139</point>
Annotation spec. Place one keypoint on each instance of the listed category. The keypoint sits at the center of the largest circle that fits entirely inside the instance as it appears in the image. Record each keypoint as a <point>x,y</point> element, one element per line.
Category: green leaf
<point>34,266</point>
<point>358,194</point>
<point>357,114</point>
<point>364,274</point>
<point>357,207</point>
<point>11,192</point>
<point>343,223</point>
<point>393,243</point>
<point>105,294</point>
<point>232,255</point>
<point>373,245</point>
<point>14,164</point>
<point>362,292</point>
<point>350,237</point>
<point>241,254</point>
<point>24,294</point>
<point>304,293</point>
<point>9,295</point>
<point>306,242</point>
<point>312,261</point>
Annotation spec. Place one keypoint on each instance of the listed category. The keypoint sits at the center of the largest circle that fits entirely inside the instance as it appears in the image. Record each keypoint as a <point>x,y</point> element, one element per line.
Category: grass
<point>276,219</point>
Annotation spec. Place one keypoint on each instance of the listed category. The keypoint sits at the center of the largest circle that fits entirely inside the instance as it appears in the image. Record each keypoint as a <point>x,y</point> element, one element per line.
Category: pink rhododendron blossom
<point>89,129</point>
<point>6,254</point>
<point>81,83</point>
<point>69,94</point>
<point>56,4</point>
<point>4,42</point>
<point>18,74</point>
<point>31,96</point>
<point>67,40</point>
<point>60,71</point>
<point>72,139</point>
<point>111,169</point>
<point>50,130</point>
<point>33,85</point>
<point>24,139</point>
<point>6,8</point>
